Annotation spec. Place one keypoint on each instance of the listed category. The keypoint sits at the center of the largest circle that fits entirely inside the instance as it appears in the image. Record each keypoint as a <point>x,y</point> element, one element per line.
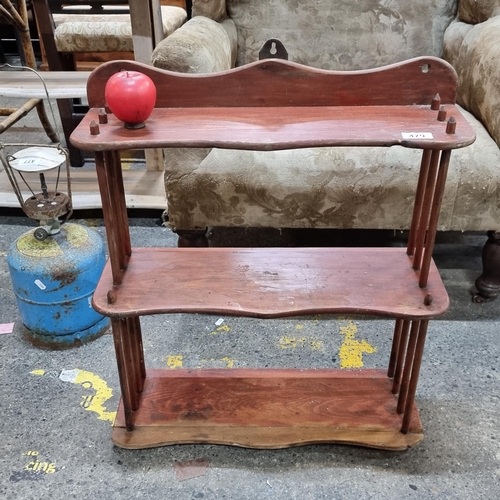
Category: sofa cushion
<point>213,9</point>
<point>477,11</point>
<point>367,188</point>
<point>474,51</point>
<point>342,35</point>
<point>106,33</point>
<point>200,46</point>
<point>453,39</point>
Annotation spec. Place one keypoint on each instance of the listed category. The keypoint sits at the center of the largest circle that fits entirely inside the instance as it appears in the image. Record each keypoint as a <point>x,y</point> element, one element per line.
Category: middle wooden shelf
<point>272,282</point>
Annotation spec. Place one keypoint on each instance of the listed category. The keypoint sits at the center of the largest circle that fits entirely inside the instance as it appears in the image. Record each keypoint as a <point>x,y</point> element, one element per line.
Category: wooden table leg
<point>434,217</point>
<point>396,340</point>
<point>121,336</point>
<point>419,200</point>
<point>110,179</point>
<point>400,357</point>
<point>423,222</point>
<point>137,353</point>
<point>409,358</point>
<point>126,332</point>
<point>417,361</point>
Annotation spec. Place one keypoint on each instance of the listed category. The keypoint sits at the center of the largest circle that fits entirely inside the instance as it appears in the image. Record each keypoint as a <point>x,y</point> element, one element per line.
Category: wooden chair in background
<point>81,34</point>
<point>18,18</point>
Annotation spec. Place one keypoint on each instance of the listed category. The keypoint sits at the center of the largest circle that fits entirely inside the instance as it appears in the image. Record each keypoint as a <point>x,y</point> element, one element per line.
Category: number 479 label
<point>417,135</point>
<point>29,161</point>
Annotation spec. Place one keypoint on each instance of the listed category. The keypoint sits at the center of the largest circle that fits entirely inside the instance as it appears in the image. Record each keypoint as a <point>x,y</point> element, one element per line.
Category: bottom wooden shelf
<point>267,409</point>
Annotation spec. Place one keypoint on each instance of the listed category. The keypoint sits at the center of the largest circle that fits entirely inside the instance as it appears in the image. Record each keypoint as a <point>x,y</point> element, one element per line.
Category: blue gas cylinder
<point>53,281</point>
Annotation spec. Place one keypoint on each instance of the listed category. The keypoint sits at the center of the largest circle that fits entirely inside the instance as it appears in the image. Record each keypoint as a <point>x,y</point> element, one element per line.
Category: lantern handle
<point>46,90</point>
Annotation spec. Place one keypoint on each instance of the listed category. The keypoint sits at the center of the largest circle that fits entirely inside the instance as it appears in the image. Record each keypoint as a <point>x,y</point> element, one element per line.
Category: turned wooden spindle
<point>103,117</point>
<point>441,114</point>
<point>451,126</point>
<point>436,102</point>
<point>398,328</point>
<point>94,128</point>
<point>112,297</point>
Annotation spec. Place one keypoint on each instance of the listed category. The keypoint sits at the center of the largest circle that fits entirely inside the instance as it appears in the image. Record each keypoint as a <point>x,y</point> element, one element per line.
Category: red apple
<point>131,96</point>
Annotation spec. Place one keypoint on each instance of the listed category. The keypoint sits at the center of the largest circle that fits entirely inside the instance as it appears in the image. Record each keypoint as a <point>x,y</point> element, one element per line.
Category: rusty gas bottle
<point>53,280</point>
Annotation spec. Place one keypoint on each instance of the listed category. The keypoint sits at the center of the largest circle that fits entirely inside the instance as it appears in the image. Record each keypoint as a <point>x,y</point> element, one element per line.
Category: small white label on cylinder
<point>69,375</point>
<point>40,285</point>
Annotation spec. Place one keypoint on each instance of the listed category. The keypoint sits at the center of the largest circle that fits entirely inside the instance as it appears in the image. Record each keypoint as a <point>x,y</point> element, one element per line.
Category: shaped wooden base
<point>267,409</point>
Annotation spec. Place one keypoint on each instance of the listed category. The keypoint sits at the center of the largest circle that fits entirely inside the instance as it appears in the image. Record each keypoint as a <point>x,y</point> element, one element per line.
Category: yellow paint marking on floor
<point>175,361</point>
<point>299,327</point>
<point>102,393</point>
<point>88,380</point>
<point>315,345</point>
<point>223,328</point>
<point>294,342</point>
<point>351,351</point>
<point>92,222</point>
<point>228,361</point>
<point>36,465</point>
<point>289,342</point>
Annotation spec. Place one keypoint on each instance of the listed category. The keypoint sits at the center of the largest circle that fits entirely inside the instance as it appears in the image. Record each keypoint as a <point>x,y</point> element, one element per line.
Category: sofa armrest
<point>476,11</point>
<point>474,51</point>
<point>199,46</point>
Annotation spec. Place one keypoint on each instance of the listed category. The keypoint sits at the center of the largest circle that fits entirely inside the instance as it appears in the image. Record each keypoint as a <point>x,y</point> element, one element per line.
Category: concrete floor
<point>63,427</point>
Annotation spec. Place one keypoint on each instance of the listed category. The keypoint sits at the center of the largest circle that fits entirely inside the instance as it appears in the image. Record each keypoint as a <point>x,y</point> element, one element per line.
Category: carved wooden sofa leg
<point>196,238</point>
<point>488,284</point>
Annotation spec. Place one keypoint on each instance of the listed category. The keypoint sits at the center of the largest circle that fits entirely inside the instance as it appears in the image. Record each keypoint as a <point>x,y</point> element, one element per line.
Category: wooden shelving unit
<point>264,106</point>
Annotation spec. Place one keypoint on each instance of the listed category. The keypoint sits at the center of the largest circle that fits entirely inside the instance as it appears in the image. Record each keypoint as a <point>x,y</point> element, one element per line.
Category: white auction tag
<point>28,161</point>
<point>417,135</point>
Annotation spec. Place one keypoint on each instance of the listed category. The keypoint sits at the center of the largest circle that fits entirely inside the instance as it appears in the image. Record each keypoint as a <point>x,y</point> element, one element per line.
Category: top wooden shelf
<point>273,104</point>
<point>279,128</point>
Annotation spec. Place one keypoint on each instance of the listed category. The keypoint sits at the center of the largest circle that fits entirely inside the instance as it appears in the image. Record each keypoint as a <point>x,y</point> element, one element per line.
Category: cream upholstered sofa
<point>369,188</point>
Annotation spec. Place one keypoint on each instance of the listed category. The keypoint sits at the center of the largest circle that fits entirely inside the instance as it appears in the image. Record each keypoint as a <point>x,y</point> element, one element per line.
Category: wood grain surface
<point>275,82</point>
<point>284,128</point>
<point>271,282</point>
<point>238,108</point>
<point>271,408</point>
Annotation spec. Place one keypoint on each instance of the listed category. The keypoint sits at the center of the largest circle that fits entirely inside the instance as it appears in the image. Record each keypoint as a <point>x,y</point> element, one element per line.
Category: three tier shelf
<point>270,105</point>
